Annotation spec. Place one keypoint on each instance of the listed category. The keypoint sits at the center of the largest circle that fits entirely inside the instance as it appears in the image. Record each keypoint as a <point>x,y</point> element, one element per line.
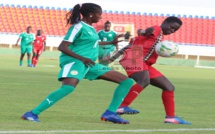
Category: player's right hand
<point>87,62</point>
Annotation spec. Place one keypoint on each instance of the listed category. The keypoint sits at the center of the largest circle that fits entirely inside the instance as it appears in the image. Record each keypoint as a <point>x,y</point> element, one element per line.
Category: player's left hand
<point>115,40</point>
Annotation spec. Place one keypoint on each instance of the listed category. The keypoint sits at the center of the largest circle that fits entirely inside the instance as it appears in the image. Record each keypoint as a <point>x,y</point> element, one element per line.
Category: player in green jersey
<point>27,39</point>
<point>79,51</point>
<point>105,51</point>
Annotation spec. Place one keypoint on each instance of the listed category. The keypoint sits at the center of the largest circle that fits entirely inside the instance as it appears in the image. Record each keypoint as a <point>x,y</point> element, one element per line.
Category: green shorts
<point>78,70</point>
<point>26,49</point>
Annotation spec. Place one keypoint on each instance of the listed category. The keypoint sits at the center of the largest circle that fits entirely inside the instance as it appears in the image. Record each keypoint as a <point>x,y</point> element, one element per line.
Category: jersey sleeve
<point>21,35</point>
<point>73,32</point>
<point>44,38</point>
<point>115,33</point>
<point>99,34</point>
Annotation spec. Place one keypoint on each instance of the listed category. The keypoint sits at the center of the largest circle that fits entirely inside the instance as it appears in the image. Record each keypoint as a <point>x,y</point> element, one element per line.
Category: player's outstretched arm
<point>17,42</point>
<point>44,43</point>
<point>114,41</point>
<point>118,53</point>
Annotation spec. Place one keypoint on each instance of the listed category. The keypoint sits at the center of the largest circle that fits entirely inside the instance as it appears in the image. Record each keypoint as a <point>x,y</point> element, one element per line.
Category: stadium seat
<point>196,29</point>
<point>178,15</point>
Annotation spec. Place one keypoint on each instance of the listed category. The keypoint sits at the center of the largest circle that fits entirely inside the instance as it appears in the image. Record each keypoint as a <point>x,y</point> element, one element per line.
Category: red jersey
<point>39,42</point>
<point>142,45</point>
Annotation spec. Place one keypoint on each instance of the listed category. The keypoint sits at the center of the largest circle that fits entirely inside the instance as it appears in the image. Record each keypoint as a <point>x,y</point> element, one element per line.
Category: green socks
<point>52,98</point>
<point>29,62</point>
<point>20,62</point>
<point>119,94</point>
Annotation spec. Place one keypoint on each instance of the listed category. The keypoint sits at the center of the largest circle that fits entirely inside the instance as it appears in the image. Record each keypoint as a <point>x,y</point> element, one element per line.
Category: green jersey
<point>107,36</point>
<point>84,42</point>
<point>26,38</point>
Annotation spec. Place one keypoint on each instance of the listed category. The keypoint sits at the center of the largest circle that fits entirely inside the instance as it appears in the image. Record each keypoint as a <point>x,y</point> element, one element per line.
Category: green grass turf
<point>23,88</point>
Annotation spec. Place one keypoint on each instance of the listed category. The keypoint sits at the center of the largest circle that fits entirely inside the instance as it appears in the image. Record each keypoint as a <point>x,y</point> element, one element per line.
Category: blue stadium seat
<point>133,13</point>
<point>12,5</point>
<point>178,15</point>
<point>18,6</point>
<point>58,8</point>
<point>47,8</point>
<point>201,17</point>
<point>167,15</point>
<point>41,7</point>
<point>64,9</point>
<point>144,14</point>
<point>155,14</point>
<point>29,6</point>
<point>138,13</point>
<point>110,11</point>
<point>52,8</point>
<point>7,5</point>
<point>115,12</point>
<point>207,17</point>
<point>162,14</point>
<point>127,12</point>
<point>196,16</point>
<point>1,5</point>
<point>213,18</point>
<point>173,15</point>
<point>150,14</point>
<point>104,11</point>
<point>190,16</point>
<point>121,12</point>
<point>184,16</point>
<point>24,6</point>
<point>70,9</point>
<point>35,7</point>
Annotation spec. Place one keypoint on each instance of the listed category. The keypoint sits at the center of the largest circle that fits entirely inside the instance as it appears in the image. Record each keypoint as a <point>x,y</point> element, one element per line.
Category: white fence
<point>54,41</point>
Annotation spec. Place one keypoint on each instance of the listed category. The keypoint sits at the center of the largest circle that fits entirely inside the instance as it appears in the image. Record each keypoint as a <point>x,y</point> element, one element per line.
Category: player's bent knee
<point>127,83</point>
<point>143,83</point>
<point>170,88</point>
<point>67,89</point>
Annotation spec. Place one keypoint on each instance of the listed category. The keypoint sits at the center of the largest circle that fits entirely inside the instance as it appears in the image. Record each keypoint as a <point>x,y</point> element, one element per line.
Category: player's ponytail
<point>74,16</point>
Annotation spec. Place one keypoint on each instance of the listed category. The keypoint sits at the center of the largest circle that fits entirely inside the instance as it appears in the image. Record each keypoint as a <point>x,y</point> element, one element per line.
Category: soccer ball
<point>166,48</point>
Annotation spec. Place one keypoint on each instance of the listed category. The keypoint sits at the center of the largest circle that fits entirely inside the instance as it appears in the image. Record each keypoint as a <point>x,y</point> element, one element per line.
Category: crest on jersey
<point>74,72</point>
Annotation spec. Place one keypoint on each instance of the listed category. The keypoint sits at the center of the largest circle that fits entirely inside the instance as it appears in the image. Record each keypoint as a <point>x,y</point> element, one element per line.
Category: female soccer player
<point>140,56</point>
<point>39,47</point>
<point>27,39</point>
<point>77,61</point>
<point>105,51</point>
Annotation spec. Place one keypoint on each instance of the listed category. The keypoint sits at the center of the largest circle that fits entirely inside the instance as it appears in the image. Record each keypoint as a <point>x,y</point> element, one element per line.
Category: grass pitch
<point>22,88</point>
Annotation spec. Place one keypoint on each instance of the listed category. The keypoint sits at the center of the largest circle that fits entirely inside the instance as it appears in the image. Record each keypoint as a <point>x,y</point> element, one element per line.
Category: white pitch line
<point>108,131</point>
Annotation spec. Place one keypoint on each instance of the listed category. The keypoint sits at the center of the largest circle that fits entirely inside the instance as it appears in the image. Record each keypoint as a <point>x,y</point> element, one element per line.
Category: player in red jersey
<point>39,47</point>
<point>139,56</point>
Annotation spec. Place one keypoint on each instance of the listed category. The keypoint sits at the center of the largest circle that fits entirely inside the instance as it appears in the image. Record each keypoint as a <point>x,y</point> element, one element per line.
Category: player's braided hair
<point>171,19</point>
<point>74,16</point>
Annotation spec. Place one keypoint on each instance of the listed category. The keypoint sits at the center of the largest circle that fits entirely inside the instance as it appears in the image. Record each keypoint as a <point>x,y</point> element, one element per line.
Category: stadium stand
<point>198,30</point>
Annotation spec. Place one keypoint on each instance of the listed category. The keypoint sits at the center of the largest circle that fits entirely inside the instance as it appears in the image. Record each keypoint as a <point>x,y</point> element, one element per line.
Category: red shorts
<point>38,51</point>
<point>133,66</point>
